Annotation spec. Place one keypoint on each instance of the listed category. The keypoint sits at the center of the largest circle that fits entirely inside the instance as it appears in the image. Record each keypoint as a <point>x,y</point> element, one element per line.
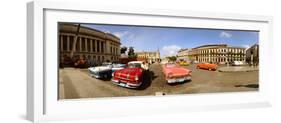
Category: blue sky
<point>170,40</point>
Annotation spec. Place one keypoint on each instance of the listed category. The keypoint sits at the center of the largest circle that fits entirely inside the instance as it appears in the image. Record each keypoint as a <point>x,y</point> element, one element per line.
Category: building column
<point>86,42</point>
<point>68,43</point>
<point>209,54</point>
<point>113,50</point>
<point>96,45</point>
<point>100,46</point>
<point>103,42</point>
<point>91,45</point>
<point>104,47</point>
<point>80,44</point>
<point>61,42</point>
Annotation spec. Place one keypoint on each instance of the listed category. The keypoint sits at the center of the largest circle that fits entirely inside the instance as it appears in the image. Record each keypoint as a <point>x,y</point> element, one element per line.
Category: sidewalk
<point>238,69</point>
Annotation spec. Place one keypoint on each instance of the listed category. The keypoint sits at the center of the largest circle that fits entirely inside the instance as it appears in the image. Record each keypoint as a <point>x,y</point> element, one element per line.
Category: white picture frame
<point>43,104</point>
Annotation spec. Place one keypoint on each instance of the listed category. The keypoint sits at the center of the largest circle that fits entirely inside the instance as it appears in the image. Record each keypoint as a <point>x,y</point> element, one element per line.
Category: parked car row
<point>129,75</point>
<point>132,75</point>
<point>212,66</point>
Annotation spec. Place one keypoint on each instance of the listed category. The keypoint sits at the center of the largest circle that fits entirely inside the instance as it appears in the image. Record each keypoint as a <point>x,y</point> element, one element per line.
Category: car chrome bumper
<point>178,80</point>
<point>94,75</point>
<point>127,85</point>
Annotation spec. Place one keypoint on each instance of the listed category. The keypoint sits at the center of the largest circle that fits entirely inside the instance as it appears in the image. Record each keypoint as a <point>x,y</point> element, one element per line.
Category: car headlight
<point>136,78</point>
<point>170,75</point>
<point>112,74</point>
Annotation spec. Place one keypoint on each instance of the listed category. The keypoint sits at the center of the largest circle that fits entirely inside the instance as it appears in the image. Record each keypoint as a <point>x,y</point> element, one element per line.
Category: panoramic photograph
<point>102,60</point>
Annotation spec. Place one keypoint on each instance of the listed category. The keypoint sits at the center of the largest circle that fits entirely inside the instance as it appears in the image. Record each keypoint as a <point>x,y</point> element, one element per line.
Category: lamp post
<point>252,58</point>
<point>75,41</point>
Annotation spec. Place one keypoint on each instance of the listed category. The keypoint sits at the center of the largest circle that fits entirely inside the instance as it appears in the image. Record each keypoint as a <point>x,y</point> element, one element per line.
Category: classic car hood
<point>210,65</point>
<point>99,68</point>
<point>117,68</point>
<point>130,71</point>
<point>177,70</point>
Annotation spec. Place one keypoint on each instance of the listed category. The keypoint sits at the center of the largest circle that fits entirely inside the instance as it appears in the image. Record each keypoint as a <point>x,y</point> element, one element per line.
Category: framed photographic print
<point>98,61</point>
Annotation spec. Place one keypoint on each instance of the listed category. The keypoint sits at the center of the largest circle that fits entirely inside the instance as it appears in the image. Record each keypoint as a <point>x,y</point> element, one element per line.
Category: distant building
<point>91,43</point>
<point>252,55</point>
<point>149,56</point>
<point>217,53</point>
<point>183,54</point>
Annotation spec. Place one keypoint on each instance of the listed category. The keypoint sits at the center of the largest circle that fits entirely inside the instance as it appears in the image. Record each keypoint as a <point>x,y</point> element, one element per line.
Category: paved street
<point>76,83</point>
<point>238,69</point>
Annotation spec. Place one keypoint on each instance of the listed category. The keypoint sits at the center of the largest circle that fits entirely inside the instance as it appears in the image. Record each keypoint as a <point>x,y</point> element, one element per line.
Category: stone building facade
<point>252,55</point>
<point>149,56</point>
<point>91,43</point>
<point>183,54</point>
<point>217,53</point>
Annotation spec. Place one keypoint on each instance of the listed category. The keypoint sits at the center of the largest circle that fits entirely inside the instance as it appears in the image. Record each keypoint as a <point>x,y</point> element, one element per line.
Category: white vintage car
<point>116,67</point>
<point>105,70</point>
<point>238,63</point>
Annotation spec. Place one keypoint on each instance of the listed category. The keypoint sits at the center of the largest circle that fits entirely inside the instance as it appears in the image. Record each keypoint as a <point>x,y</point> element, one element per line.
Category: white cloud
<point>225,35</point>
<point>246,46</point>
<point>126,34</point>
<point>120,34</point>
<point>170,50</point>
<point>107,31</point>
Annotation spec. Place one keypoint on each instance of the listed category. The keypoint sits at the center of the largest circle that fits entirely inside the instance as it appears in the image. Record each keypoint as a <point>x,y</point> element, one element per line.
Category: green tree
<point>123,49</point>
<point>172,58</point>
<point>131,53</point>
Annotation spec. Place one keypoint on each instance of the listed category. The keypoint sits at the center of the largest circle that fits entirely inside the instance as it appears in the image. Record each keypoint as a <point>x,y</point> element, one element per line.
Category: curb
<point>237,71</point>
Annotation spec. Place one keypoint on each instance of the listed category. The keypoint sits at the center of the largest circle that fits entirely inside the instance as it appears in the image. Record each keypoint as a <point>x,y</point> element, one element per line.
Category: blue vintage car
<point>105,70</point>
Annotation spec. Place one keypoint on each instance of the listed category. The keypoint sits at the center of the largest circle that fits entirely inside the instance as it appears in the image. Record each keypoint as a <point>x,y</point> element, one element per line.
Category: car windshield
<point>106,64</point>
<point>134,65</point>
<point>118,65</point>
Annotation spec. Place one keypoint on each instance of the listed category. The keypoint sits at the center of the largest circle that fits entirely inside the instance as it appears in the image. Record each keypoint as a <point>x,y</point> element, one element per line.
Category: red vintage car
<point>130,77</point>
<point>175,73</point>
<point>207,66</point>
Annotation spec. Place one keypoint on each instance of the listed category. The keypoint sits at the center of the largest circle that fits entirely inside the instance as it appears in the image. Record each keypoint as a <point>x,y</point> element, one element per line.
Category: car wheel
<point>210,69</point>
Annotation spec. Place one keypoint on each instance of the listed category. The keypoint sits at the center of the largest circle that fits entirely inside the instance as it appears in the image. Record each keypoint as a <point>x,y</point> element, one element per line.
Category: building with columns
<point>252,55</point>
<point>149,56</point>
<point>183,54</point>
<point>91,43</point>
<point>217,53</point>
